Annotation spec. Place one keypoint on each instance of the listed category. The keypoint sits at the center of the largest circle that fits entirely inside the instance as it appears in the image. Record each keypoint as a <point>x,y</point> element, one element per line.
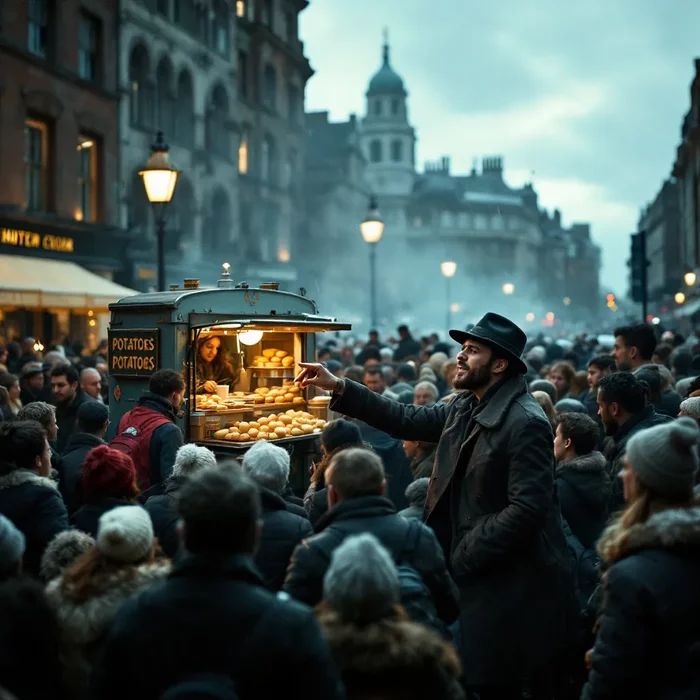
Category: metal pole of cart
<point>373,283</point>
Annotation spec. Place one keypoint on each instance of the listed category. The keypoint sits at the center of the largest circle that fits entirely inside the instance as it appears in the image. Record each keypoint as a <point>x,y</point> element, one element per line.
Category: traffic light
<point>638,267</point>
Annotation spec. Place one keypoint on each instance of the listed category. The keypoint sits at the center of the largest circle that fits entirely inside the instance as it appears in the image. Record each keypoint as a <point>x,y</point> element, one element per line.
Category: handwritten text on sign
<point>133,353</point>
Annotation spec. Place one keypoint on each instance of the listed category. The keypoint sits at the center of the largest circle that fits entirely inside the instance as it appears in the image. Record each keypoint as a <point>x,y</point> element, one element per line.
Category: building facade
<point>60,241</point>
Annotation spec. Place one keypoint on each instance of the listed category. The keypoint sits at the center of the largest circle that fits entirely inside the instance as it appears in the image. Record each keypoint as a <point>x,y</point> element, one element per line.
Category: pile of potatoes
<point>287,393</point>
<point>272,358</point>
<point>272,427</point>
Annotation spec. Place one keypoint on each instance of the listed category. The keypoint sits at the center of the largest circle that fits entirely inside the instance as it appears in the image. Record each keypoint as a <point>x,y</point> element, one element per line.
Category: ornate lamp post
<point>448,269</point>
<point>372,229</point>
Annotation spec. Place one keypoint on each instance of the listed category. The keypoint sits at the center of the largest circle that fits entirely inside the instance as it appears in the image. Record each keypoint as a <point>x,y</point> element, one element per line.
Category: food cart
<point>258,335</point>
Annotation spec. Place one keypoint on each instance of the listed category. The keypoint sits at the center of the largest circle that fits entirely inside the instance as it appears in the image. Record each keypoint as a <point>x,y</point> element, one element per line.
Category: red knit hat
<point>108,472</point>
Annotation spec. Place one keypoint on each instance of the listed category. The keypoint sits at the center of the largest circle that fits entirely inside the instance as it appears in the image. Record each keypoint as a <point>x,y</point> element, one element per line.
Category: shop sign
<point>18,238</point>
<point>133,353</point>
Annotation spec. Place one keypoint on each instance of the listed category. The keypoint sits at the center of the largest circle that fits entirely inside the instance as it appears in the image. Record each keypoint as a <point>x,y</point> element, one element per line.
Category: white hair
<point>192,458</point>
<point>429,386</point>
<point>691,407</point>
<point>267,465</point>
<point>362,583</point>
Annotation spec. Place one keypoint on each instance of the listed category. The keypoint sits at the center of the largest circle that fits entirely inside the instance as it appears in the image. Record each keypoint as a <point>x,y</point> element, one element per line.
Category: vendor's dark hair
<point>21,442</point>
<point>165,382</point>
<point>67,371</point>
<point>624,389</point>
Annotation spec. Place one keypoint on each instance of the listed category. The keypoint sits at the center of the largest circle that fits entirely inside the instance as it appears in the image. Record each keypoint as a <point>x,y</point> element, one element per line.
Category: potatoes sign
<point>133,353</point>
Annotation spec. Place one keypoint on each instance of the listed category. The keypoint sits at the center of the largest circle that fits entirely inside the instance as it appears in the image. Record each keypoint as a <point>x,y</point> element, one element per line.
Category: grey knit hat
<point>12,544</point>
<point>665,457</point>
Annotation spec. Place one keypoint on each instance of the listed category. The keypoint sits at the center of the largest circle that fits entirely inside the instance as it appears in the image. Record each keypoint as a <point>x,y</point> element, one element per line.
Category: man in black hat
<point>492,504</point>
<point>32,384</point>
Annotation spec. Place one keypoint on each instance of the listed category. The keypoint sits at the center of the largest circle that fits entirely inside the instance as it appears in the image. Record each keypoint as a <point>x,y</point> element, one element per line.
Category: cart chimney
<point>225,282</point>
<point>191,283</point>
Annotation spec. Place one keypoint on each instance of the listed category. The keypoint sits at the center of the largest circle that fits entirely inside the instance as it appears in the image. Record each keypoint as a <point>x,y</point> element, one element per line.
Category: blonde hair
<point>542,398</point>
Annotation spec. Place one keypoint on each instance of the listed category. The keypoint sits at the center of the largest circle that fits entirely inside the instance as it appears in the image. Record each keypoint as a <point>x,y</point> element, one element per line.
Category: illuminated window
<point>87,179</point>
<point>37,38</point>
<point>240,8</point>
<point>243,155</point>
<point>88,35</point>
<point>35,163</point>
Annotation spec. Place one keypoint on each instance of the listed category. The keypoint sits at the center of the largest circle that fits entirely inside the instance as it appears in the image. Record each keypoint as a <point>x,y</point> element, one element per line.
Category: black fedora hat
<point>499,333</point>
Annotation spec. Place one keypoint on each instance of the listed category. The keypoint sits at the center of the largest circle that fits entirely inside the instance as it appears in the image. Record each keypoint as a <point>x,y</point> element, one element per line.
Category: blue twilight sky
<point>589,95</point>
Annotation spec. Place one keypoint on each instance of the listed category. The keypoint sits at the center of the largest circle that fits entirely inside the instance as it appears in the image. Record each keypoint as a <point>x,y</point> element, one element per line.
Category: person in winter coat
<point>68,397</point>
<point>649,634</point>
<point>380,653</point>
<point>149,434</point>
<point>422,456</point>
<point>108,481</point>
<point>336,436</point>
<point>624,411</point>
<point>45,414</point>
<point>63,552</point>
<point>356,488</point>
<point>93,421</point>
<point>416,493</point>
<point>28,497</point>
<point>12,548</point>
<point>162,508</point>
<point>493,506</point>
<point>214,613</point>
<point>584,487</point>
<point>282,530</point>
<point>89,594</point>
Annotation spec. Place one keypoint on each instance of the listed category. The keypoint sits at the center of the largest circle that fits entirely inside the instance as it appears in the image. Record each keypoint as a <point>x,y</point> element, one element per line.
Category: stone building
<point>60,243</point>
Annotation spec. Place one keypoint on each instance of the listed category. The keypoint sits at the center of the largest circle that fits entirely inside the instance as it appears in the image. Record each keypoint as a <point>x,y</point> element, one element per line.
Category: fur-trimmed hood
<point>592,462</point>
<point>676,530</point>
<point>588,477</point>
<point>24,476</point>
<point>85,622</point>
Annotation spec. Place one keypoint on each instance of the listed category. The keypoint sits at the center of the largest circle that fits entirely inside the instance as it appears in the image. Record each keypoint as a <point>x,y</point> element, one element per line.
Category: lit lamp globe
<point>372,227</point>
<point>508,288</point>
<point>159,177</point>
<point>679,298</point>
<point>448,268</point>
<point>690,278</point>
<point>250,337</point>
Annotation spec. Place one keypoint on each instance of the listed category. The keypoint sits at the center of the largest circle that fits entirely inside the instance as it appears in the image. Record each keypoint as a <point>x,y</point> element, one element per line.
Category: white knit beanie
<point>191,458</point>
<point>125,534</point>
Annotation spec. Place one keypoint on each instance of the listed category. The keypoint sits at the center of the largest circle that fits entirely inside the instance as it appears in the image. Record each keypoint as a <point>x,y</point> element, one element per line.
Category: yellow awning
<point>37,283</point>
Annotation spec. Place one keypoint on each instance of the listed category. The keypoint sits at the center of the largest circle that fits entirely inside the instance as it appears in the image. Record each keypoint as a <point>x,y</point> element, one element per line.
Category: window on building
<point>184,114</point>
<point>165,102</point>
<point>266,13</point>
<point>240,8</point>
<point>377,108</point>
<point>141,90</point>
<point>219,29</point>
<point>290,167</point>
<point>394,106</point>
<point>242,74</point>
<point>290,27</point>
<point>293,106</point>
<point>463,220</point>
<point>270,87</point>
<point>185,14</point>
<point>447,219</point>
<point>38,38</point>
<point>375,151</point>
<point>480,222</point>
<point>88,41</point>
<point>268,161</point>
<point>243,154</point>
<point>36,158</point>
<point>87,178</point>
<point>216,123</point>
<point>396,151</point>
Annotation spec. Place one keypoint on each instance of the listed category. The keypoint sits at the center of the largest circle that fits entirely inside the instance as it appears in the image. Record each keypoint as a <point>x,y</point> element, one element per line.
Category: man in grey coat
<point>493,506</point>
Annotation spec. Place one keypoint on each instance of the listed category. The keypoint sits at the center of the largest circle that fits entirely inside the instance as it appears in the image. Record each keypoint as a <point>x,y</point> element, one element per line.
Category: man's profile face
<point>473,366</point>
<point>63,390</point>
<point>621,353</point>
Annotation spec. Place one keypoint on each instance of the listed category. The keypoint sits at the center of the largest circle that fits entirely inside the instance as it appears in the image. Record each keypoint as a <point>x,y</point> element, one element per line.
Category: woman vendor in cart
<point>212,365</point>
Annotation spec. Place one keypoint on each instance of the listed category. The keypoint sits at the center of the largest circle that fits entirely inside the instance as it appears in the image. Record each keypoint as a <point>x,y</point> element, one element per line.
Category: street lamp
<point>372,229</point>
<point>679,298</point>
<point>567,301</point>
<point>508,288</point>
<point>530,317</point>
<point>448,269</point>
<point>690,278</point>
<point>159,179</point>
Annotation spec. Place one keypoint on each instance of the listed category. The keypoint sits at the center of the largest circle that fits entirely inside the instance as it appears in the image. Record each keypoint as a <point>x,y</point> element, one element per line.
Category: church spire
<point>385,48</point>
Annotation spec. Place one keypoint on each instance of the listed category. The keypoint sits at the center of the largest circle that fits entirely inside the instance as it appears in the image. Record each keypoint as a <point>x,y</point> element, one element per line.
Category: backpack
<point>416,597</point>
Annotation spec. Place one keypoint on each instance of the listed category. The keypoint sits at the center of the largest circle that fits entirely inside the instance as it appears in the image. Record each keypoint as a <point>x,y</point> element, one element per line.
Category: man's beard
<point>610,428</point>
<point>623,366</point>
<point>474,379</point>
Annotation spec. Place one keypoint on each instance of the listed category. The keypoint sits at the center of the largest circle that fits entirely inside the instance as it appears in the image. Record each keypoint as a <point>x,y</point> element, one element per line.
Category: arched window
<point>180,227</point>
<point>268,161</point>
<point>377,108</point>
<point>219,28</point>
<point>269,91</point>
<point>290,166</point>
<point>217,231</point>
<point>184,114</point>
<point>216,131</point>
<point>138,207</point>
<point>141,91</point>
<point>396,151</point>
<point>243,147</point>
<point>165,103</point>
<point>375,151</point>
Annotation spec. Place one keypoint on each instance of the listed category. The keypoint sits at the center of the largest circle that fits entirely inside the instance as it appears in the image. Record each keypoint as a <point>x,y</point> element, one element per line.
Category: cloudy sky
<point>588,95</point>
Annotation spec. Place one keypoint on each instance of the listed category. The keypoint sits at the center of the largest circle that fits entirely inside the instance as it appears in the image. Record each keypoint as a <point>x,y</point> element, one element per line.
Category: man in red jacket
<point>148,433</point>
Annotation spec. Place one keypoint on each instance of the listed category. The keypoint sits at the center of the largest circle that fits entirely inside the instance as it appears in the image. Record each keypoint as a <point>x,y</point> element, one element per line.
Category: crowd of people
<point>490,517</point>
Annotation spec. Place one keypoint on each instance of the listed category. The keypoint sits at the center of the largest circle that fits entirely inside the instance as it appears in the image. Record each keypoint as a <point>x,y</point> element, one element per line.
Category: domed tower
<point>388,140</point>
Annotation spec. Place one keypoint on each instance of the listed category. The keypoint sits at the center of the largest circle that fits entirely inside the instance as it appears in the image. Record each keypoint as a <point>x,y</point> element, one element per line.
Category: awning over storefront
<point>38,283</point>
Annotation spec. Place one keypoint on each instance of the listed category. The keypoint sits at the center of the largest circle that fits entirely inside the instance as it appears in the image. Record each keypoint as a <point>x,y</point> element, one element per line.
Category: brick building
<point>58,167</point>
